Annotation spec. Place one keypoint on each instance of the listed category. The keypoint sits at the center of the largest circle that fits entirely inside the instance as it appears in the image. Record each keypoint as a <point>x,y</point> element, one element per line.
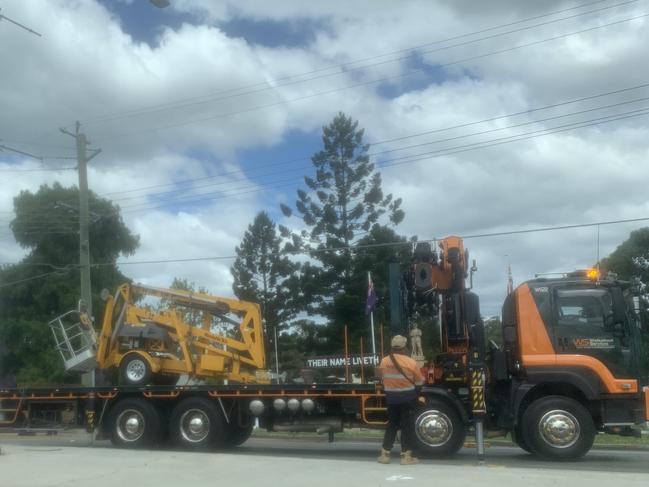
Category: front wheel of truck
<point>438,430</point>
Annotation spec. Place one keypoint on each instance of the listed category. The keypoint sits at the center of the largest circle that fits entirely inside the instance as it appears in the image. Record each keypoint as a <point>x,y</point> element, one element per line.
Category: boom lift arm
<point>170,345</point>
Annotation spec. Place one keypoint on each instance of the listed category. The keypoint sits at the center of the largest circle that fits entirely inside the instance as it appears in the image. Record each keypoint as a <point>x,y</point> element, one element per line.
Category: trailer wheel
<point>134,370</point>
<point>558,428</point>
<point>197,424</point>
<point>134,423</point>
<point>438,429</point>
<point>237,435</point>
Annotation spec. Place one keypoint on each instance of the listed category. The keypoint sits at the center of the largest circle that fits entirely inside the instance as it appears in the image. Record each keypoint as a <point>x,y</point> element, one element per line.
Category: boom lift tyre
<point>558,428</point>
<point>134,370</point>
<point>438,429</point>
<point>134,423</point>
<point>197,424</point>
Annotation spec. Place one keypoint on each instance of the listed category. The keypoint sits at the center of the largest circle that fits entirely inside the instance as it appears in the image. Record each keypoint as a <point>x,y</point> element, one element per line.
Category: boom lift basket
<point>75,340</point>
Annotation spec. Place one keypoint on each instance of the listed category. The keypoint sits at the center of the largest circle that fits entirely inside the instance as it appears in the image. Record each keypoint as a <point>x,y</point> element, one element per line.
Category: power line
<point>344,69</point>
<point>415,158</point>
<point>430,155</point>
<point>43,169</point>
<point>4,17</point>
<point>408,159</point>
<point>346,248</point>
<point>346,65</point>
<point>40,276</point>
<point>38,158</point>
<point>364,83</point>
<point>374,154</point>
<point>382,142</point>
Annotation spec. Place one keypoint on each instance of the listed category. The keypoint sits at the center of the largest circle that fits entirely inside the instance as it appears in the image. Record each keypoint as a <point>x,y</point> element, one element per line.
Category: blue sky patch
<point>143,21</point>
<point>419,75</point>
<point>274,33</point>
<point>285,164</point>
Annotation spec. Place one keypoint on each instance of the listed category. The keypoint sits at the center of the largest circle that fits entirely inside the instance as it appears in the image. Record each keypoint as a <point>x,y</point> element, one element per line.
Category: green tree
<point>190,316</point>
<point>264,275</point>
<point>631,258</point>
<point>46,282</point>
<point>343,202</point>
<point>381,246</point>
<point>494,331</point>
<point>630,261</point>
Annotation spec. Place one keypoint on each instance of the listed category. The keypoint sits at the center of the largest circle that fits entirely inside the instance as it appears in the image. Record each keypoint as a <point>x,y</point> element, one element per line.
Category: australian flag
<point>370,304</point>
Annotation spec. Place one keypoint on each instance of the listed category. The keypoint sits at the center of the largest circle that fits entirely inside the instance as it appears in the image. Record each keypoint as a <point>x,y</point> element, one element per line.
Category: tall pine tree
<point>263,275</point>
<point>343,202</point>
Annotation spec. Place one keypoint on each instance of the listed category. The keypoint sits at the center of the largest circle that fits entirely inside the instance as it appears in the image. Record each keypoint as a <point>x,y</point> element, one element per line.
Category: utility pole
<point>84,240</point>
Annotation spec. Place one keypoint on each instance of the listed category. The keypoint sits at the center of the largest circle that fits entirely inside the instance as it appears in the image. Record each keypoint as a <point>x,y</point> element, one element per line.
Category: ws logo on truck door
<point>594,343</point>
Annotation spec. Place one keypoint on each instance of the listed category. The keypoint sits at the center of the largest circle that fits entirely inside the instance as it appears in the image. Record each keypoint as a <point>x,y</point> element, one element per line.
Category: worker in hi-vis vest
<point>401,378</point>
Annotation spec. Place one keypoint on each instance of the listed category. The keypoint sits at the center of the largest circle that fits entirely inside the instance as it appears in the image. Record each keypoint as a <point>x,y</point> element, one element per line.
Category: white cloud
<point>85,67</point>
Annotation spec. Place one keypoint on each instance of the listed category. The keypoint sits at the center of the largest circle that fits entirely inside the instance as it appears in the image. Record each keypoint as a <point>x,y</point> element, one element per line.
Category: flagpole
<point>369,282</point>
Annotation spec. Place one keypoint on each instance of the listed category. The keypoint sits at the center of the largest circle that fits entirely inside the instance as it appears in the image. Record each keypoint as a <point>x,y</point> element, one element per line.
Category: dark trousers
<point>399,418</point>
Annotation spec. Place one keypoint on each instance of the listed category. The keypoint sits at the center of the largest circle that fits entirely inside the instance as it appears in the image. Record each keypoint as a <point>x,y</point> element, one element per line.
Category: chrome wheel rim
<point>136,370</point>
<point>130,425</point>
<point>433,428</point>
<point>194,425</point>
<point>559,429</point>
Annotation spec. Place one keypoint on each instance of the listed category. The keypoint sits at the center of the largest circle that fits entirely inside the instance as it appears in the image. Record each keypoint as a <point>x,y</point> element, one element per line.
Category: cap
<point>399,341</point>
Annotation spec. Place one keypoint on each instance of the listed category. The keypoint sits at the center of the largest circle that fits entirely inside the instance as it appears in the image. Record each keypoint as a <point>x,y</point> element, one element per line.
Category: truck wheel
<point>134,423</point>
<point>237,435</point>
<point>558,428</point>
<point>438,429</point>
<point>134,370</point>
<point>197,424</point>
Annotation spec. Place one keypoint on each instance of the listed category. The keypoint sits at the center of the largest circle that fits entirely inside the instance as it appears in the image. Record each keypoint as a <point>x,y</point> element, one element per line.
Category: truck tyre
<point>438,430</point>
<point>134,370</point>
<point>558,428</point>
<point>134,423</point>
<point>197,424</point>
<point>237,435</point>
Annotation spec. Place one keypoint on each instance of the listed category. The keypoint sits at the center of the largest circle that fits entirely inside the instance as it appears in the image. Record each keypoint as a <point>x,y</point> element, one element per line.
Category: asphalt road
<point>69,460</point>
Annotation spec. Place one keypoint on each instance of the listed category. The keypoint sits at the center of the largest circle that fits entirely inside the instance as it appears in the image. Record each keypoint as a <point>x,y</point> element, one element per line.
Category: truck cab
<point>574,362</point>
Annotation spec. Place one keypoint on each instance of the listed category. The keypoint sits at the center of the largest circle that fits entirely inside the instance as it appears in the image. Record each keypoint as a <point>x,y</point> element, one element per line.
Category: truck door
<point>585,325</point>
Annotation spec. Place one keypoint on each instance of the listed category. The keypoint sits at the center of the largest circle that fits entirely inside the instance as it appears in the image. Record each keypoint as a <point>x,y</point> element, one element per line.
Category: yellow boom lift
<point>150,346</point>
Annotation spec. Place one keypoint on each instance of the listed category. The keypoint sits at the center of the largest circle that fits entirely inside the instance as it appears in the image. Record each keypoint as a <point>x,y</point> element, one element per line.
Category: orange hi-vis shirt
<point>398,389</point>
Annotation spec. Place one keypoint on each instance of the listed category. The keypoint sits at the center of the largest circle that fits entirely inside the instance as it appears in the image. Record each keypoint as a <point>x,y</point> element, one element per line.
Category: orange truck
<point>573,363</point>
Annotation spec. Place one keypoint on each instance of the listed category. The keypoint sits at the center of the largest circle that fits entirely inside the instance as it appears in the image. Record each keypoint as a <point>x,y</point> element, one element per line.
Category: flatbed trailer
<point>219,417</point>
<point>222,416</point>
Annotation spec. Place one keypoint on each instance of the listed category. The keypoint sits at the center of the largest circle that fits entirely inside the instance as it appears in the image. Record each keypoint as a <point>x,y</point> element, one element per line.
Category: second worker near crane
<point>401,377</point>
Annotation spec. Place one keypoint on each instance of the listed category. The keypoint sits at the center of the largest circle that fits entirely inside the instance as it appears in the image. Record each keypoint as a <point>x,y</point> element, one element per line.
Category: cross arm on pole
<point>94,153</point>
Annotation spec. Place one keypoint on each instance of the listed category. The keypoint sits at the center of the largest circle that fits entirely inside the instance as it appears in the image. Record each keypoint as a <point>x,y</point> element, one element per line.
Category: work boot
<point>408,459</point>
<point>384,457</point>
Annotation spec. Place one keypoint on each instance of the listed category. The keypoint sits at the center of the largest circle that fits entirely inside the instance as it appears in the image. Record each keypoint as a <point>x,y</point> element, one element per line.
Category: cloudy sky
<point>521,115</point>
